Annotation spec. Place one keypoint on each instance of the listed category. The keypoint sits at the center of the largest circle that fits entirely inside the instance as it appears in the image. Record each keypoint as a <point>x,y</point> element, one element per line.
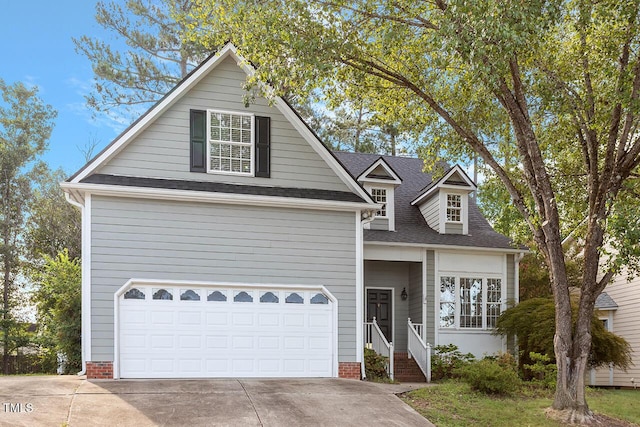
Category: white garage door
<point>193,332</point>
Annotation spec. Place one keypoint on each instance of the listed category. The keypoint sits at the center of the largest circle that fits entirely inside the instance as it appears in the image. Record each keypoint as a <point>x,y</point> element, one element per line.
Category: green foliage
<point>491,376</point>
<point>447,360</point>
<point>533,320</point>
<point>375,366</point>
<point>25,126</point>
<point>58,301</point>
<point>156,57</point>
<point>542,370</point>
<point>54,225</point>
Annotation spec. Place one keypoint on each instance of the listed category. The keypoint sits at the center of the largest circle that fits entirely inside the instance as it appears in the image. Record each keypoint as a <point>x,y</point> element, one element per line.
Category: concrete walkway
<point>73,401</point>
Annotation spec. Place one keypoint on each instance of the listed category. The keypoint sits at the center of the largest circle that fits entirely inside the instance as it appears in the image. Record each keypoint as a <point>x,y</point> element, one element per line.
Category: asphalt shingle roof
<point>411,226</point>
<point>604,301</point>
<point>218,187</point>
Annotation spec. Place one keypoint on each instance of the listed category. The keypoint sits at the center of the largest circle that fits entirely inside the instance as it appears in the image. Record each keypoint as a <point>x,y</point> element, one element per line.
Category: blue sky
<point>36,49</point>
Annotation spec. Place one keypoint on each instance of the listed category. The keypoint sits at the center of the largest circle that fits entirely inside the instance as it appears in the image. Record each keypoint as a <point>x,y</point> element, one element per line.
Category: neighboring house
<point>221,240</point>
<point>618,309</point>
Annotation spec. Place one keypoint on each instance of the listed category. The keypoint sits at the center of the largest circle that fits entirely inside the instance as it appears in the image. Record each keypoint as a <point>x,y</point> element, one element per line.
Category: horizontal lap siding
<point>162,150</point>
<point>391,274</point>
<point>166,240</point>
<point>626,324</point>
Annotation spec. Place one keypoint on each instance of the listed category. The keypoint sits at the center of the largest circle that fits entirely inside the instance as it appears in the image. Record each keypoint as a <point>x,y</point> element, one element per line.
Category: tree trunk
<point>5,313</point>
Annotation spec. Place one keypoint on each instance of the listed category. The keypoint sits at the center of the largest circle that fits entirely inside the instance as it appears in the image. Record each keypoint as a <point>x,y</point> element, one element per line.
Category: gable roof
<point>195,76</point>
<point>605,302</point>
<point>411,227</point>
<point>446,182</point>
<point>390,177</point>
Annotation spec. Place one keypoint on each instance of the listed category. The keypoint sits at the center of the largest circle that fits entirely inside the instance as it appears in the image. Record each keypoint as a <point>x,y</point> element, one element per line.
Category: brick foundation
<point>99,370</point>
<point>349,370</point>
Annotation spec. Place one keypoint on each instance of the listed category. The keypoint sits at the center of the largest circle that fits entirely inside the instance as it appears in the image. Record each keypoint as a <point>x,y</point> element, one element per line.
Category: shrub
<point>491,377</point>
<point>543,371</point>
<point>447,360</point>
<point>375,366</point>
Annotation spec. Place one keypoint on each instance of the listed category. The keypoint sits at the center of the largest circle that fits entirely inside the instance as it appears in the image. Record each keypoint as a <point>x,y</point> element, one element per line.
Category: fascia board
<point>213,197</point>
<point>450,247</point>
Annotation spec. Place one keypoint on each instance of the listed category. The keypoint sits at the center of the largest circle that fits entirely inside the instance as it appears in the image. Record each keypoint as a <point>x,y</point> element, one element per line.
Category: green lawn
<point>453,404</point>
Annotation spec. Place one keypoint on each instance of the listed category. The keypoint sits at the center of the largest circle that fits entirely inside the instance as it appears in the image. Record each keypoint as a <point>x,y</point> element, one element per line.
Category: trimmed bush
<point>491,377</point>
<point>447,359</point>
<point>374,366</point>
<point>543,371</point>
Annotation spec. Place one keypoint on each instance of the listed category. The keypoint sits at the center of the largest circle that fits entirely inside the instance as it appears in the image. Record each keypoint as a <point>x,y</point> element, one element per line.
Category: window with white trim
<point>454,208</point>
<point>230,141</point>
<point>470,302</point>
<point>379,195</point>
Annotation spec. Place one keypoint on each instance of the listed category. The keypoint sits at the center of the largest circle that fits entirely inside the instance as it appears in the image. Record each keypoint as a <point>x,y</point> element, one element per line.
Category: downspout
<point>80,206</point>
<point>366,217</point>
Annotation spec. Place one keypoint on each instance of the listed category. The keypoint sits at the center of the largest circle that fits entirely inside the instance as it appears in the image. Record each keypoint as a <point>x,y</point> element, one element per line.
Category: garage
<point>178,330</point>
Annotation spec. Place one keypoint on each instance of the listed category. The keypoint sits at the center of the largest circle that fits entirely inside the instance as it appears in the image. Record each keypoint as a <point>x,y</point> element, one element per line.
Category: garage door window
<point>217,296</point>
<point>162,294</point>
<point>269,297</point>
<point>319,299</point>
<point>242,296</point>
<point>294,298</point>
<point>134,293</point>
<point>189,295</point>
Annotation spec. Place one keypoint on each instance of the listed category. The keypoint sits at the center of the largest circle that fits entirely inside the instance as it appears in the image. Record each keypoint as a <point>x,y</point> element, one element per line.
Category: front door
<point>379,305</point>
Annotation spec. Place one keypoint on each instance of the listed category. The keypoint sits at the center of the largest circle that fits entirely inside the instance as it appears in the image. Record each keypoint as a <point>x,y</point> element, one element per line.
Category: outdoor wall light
<point>403,294</point>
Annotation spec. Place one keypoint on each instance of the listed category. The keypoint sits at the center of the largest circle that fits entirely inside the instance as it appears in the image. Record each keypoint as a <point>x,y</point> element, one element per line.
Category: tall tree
<point>25,126</point>
<point>543,92</point>
<point>58,300</point>
<point>54,225</point>
<point>147,58</point>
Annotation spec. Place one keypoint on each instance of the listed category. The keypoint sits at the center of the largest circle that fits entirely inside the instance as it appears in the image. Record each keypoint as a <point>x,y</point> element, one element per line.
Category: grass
<point>622,404</point>
<point>454,404</point>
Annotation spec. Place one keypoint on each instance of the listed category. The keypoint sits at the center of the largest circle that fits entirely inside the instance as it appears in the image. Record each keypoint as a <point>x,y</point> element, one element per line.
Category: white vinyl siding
<point>165,240</point>
<point>162,150</point>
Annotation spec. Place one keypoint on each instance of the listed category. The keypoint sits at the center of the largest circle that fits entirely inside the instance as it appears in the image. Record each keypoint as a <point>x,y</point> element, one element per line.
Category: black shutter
<point>263,147</point>
<point>198,119</point>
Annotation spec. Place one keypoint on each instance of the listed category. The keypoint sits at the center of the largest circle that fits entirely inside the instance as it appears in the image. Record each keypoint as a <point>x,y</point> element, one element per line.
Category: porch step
<point>407,370</point>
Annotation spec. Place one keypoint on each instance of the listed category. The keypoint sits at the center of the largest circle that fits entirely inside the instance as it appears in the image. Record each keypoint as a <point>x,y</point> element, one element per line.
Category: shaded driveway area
<point>73,401</point>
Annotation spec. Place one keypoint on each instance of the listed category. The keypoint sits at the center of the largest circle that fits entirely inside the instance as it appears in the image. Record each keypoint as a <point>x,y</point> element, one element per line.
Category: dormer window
<point>379,195</point>
<point>454,208</point>
<point>444,203</point>
<point>380,180</point>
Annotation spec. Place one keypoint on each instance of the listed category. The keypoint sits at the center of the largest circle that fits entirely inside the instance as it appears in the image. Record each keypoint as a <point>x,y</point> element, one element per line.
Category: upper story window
<point>454,208</point>
<point>230,140</point>
<point>379,195</point>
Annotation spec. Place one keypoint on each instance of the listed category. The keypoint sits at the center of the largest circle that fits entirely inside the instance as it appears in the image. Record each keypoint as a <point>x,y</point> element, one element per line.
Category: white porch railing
<point>418,350</point>
<point>374,339</point>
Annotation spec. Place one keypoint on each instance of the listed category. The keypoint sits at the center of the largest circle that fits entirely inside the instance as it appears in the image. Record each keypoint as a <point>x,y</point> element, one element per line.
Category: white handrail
<point>375,340</point>
<point>417,349</point>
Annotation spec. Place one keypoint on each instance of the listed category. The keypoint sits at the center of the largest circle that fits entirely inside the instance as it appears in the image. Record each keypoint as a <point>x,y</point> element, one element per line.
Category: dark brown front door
<point>379,306</point>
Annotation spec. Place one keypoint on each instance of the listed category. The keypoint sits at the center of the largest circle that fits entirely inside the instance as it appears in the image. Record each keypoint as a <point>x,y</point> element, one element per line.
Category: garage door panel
<point>213,337</point>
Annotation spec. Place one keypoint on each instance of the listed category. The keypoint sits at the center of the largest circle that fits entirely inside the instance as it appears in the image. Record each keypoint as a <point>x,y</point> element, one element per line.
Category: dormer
<point>380,180</point>
<point>445,202</point>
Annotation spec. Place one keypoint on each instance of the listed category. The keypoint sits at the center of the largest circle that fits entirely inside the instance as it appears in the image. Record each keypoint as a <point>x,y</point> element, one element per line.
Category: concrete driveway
<point>73,401</point>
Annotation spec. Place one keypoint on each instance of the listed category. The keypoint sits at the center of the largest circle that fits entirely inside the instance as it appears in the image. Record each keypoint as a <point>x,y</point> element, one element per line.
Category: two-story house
<point>224,240</point>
